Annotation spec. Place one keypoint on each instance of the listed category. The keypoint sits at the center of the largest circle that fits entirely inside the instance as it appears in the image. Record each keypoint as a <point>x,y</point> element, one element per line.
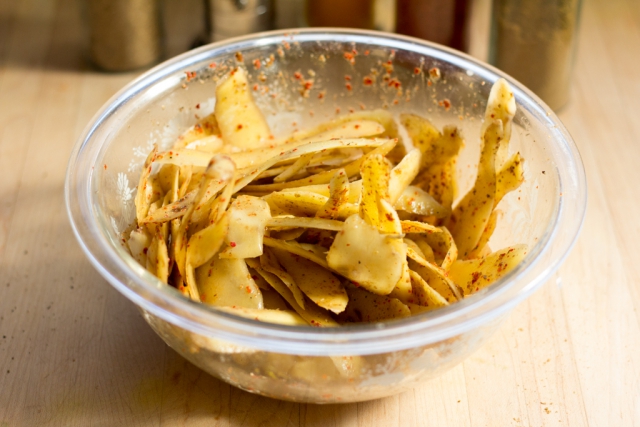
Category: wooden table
<point>74,352</point>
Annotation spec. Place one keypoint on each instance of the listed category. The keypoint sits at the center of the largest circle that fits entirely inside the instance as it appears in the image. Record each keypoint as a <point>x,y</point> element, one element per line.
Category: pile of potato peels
<point>333,225</point>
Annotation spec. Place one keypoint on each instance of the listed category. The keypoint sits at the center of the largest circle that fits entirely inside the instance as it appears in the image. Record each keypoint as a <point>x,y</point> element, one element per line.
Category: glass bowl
<point>349,70</point>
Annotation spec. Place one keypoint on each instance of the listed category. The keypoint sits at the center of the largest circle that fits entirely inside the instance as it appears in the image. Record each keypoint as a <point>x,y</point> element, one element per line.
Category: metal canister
<point>124,34</point>
<point>231,18</point>
<point>535,42</point>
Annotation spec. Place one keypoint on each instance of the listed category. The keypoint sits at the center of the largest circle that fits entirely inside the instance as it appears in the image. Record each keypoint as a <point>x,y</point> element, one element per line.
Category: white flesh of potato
<point>374,260</point>
<point>248,217</point>
<point>240,120</point>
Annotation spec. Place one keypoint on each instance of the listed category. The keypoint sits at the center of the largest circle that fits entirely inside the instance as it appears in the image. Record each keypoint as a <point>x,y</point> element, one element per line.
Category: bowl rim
<point>165,302</point>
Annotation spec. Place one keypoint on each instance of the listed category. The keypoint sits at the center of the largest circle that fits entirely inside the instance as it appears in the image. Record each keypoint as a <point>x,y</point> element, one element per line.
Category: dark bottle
<point>439,21</point>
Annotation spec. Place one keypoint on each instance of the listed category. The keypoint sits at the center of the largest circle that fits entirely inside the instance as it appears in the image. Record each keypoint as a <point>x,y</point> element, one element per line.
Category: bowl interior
<point>301,79</point>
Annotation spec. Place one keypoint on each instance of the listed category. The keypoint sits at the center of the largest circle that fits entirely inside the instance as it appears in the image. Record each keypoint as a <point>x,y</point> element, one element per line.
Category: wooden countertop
<point>74,352</point>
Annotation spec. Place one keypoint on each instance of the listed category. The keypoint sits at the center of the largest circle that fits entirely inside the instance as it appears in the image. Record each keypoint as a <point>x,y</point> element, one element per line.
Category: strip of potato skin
<point>482,247</point>
<point>338,196</point>
<point>204,128</point>
<point>367,307</point>
<point>220,168</point>
<point>313,315</point>
<point>143,196</point>
<point>317,283</point>
<point>471,215</point>
<point>501,106</point>
<point>240,120</point>
<point>436,271</point>
<point>510,176</point>
<point>476,274</point>
<point>270,264</point>
<point>351,169</point>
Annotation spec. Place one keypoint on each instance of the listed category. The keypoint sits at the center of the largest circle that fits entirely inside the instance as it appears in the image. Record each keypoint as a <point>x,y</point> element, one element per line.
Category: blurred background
<point>532,40</point>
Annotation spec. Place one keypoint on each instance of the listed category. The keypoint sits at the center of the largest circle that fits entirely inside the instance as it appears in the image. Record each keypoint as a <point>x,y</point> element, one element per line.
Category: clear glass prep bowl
<point>349,70</point>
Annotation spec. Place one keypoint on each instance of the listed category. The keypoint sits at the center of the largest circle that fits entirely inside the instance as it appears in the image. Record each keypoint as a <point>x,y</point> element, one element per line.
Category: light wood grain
<point>74,352</point>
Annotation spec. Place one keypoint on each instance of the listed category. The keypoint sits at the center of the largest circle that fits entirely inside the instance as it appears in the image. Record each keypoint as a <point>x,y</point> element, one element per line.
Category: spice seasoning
<point>535,42</point>
<point>124,34</point>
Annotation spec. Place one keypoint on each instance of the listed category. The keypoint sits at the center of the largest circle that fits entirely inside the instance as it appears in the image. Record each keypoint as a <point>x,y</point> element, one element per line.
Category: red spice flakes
<point>190,75</point>
<point>417,70</point>
<point>256,64</point>
<point>445,103</point>
<point>306,87</point>
<point>395,83</point>
<point>388,66</point>
<point>239,57</point>
<point>213,65</point>
<point>429,83</point>
<point>248,289</point>
<point>239,126</point>
<point>232,244</point>
<point>105,166</point>
<point>350,56</point>
<point>255,87</point>
<point>297,75</point>
<point>197,127</point>
<point>286,45</point>
<point>280,52</point>
<point>366,52</point>
<point>347,77</point>
<point>337,110</point>
<point>367,80</point>
<point>434,73</point>
<point>322,94</point>
<point>475,276</point>
<point>348,86</point>
<point>198,106</point>
<point>269,62</point>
